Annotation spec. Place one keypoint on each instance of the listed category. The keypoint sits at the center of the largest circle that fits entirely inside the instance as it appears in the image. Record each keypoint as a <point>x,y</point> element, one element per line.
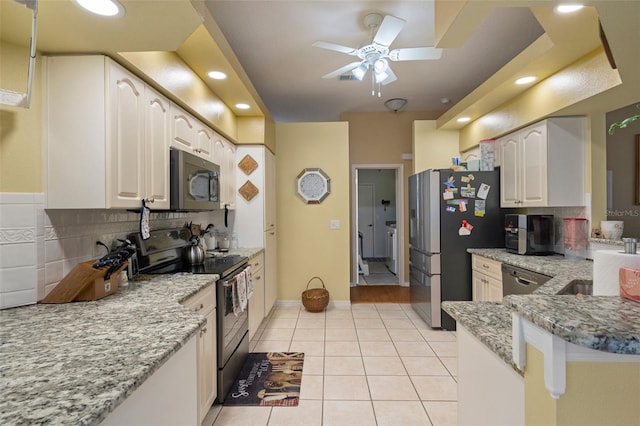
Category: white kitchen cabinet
<point>255,221</point>
<point>96,119</point>
<point>490,391</point>
<point>228,173</point>
<point>224,154</point>
<point>167,398</point>
<point>204,303</point>
<point>486,279</point>
<point>270,187</point>
<point>256,302</point>
<point>271,279</point>
<point>543,165</point>
<point>157,134</point>
<point>190,134</point>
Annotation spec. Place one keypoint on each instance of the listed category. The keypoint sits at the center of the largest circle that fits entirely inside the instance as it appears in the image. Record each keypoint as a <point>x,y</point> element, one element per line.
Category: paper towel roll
<point>606,267</point>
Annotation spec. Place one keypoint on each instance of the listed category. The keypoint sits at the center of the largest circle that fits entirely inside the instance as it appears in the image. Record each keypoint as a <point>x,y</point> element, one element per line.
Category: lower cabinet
<point>490,391</point>
<point>256,302</point>
<point>486,279</point>
<point>204,303</point>
<point>168,397</point>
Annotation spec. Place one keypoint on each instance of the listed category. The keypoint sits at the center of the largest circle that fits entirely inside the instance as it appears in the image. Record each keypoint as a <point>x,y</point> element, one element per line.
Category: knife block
<point>85,283</point>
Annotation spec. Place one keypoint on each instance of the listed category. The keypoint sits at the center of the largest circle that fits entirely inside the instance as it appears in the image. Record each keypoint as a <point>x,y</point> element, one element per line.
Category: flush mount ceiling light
<point>395,104</point>
<point>111,8</point>
<point>464,119</point>
<point>217,75</point>
<point>568,8</point>
<point>242,106</point>
<point>525,80</point>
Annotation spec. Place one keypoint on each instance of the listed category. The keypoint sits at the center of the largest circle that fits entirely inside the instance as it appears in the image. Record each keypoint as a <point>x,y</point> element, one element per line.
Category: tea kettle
<point>194,253</point>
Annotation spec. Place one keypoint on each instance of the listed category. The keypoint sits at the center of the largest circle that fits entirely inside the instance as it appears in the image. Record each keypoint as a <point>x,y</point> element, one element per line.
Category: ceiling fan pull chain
<point>373,84</point>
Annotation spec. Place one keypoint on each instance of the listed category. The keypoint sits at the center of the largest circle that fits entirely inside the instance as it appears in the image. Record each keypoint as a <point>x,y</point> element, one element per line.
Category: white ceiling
<point>273,42</point>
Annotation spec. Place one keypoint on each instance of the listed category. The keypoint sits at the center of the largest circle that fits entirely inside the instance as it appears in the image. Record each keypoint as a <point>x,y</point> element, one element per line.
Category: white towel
<point>249,278</point>
<point>240,294</point>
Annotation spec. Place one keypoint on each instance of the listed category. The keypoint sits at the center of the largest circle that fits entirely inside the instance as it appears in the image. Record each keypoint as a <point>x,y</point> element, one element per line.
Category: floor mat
<point>378,274</point>
<point>268,378</point>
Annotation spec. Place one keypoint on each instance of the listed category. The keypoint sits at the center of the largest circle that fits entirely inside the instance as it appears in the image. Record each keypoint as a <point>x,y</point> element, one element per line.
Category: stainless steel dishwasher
<point>520,281</point>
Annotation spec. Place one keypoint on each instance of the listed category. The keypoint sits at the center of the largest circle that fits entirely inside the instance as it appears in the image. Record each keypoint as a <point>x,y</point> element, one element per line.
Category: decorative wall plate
<point>248,190</point>
<point>248,164</point>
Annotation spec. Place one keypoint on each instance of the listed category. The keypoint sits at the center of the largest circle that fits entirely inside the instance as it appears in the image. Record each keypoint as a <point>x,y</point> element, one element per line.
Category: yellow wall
<point>432,148</point>
<point>382,138</point>
<point>307,247</point>
<point>597,393</point>
<point>20,129</point>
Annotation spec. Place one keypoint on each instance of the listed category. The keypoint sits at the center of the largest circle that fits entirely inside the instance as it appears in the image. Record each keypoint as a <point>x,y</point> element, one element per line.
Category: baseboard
<point>332,303</point>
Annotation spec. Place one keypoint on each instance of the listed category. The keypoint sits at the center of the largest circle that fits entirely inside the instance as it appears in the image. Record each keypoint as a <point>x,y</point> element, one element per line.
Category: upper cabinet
<point>543,165</point>
<point>224,154</point>
<point>190,134</point>
<point>106,136</point>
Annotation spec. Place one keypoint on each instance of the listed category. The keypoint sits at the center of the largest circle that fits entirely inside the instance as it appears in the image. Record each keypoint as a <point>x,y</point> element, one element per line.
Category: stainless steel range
<point>162,253</point>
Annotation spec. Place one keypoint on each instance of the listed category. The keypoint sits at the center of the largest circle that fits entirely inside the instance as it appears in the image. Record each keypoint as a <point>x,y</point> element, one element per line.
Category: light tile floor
<point>367,364</point>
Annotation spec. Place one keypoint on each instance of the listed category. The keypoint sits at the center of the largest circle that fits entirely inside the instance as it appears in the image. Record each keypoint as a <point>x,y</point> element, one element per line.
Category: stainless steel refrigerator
<point>449,212</point>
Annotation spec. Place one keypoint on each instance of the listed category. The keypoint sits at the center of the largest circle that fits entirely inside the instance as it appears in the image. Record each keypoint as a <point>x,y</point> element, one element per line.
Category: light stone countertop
<point>74,363</point>
<point>607,323</point>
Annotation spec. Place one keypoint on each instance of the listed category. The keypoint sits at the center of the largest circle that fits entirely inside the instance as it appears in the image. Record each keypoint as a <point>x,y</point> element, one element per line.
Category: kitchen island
<point>560,345</point>
<point>74,363</point>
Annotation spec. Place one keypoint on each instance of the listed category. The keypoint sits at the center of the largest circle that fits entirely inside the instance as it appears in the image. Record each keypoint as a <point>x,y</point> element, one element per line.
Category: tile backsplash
<point>559,213</point>
<point>39,247</point>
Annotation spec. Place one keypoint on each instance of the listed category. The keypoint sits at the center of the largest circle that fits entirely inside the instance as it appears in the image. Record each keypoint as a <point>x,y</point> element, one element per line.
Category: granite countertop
<point>605,323</point>
<point>73,363</point>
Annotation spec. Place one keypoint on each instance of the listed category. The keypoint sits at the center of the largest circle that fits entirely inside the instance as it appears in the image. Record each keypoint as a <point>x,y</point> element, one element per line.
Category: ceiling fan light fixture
<point>395,104</point>
<point>359,71</point>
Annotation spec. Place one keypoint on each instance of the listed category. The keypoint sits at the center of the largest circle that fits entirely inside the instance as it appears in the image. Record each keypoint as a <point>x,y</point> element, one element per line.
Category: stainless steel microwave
<point>529,234</point>
<point>194,182</point>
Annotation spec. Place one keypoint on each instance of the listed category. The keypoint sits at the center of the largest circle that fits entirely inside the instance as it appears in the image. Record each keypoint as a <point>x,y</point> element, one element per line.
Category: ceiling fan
<point>375,54</point>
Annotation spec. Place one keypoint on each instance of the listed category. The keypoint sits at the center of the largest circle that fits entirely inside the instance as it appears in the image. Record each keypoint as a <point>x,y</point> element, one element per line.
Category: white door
<point>366,216</point>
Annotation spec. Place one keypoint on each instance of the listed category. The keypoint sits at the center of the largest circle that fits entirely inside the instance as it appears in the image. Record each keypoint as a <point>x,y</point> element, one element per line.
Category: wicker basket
<point>316,299</point>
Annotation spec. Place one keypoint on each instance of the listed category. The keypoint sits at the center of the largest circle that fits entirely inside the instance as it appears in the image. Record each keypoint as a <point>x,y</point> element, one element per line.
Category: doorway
<point>378,228</point>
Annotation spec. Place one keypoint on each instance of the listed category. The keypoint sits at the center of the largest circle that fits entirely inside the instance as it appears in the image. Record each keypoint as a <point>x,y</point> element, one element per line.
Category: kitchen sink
<point>584,287</point>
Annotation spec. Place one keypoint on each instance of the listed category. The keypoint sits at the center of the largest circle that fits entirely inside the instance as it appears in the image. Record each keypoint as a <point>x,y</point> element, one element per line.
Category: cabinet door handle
<point>203,330</point>
<point>485,266</point>
<point>199,308</point>
<point>258,277</point>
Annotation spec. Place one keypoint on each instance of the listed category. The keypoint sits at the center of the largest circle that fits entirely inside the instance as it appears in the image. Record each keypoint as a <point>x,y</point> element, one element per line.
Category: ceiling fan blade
<point>342,70</point>
<point>415,54</point>
<point>336,47</point>
<point>389,30</point>
<point>392,77</point>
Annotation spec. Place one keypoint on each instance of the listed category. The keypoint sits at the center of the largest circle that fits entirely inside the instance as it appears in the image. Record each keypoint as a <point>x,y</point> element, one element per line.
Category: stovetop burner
<point>162,253</point>
<point>221,265</point>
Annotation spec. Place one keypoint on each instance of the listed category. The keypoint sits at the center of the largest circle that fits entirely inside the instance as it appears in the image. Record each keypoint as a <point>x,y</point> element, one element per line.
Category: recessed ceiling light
<point>102,7</point>
<point>217,75</point>
<point>568,8</point>
<point>464,119</point>
<point>525,80</point>
<point>242,106</point>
